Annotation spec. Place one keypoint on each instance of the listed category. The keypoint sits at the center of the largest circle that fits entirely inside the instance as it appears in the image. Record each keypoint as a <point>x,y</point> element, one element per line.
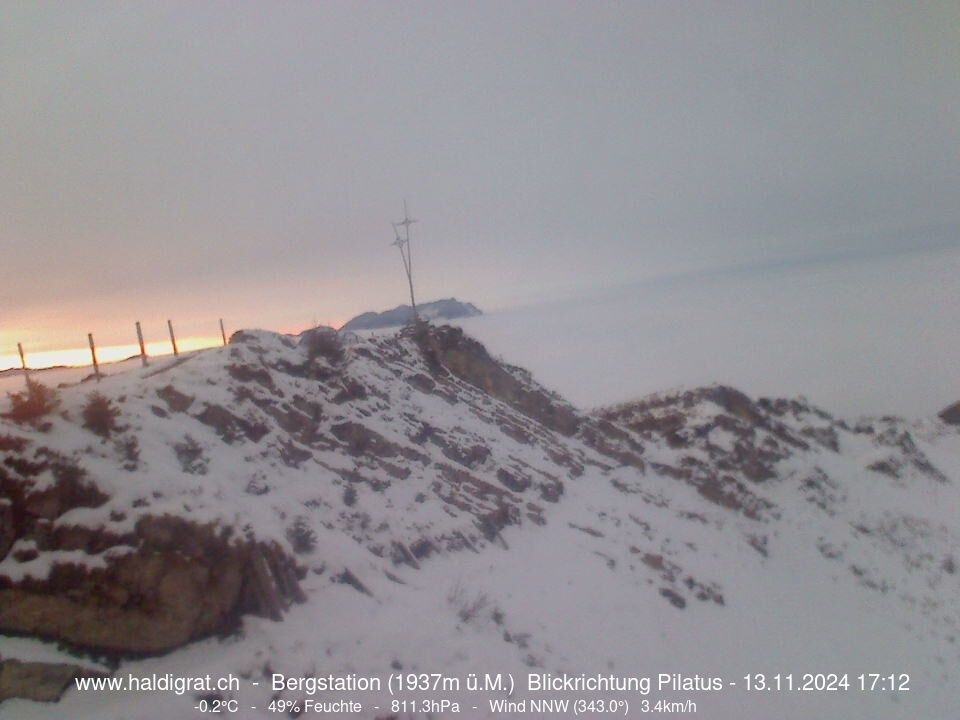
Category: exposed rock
<point>742,440</point>
<point>7,530</point>
<point>248,373</point>
<point>182,582</point>
<point>448,348</point>
<point>361,440</point>
<point>675,598</point>
<point>175,400</point>
<point>229,426</point>
<point>348,578</point>
<point>951,415</point>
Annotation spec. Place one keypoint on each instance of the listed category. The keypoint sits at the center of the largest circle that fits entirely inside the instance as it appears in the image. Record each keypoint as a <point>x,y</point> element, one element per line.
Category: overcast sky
<point>245,160</point>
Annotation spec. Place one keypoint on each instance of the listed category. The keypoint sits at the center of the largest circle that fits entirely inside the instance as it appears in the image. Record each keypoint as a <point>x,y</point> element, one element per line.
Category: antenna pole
<point>407,222</point>
<point>403,243</point>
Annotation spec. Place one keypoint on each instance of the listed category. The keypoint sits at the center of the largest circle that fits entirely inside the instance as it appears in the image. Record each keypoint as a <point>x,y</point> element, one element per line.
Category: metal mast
<point>403,243</point>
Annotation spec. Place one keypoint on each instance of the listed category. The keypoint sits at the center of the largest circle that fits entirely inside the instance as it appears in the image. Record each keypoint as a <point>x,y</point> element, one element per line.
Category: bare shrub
<point>350,496</point>
<point>100,415</point>
<point>325,343</point>
<point>191,456</point>
<point>129,449</point>
<point>258,485</point>
<point>301,536</point>
<point>467,606</point>
<point>33,403</point>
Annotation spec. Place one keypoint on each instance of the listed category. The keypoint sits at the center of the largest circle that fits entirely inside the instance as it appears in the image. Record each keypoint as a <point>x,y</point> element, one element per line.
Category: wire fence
<point>142,349</point>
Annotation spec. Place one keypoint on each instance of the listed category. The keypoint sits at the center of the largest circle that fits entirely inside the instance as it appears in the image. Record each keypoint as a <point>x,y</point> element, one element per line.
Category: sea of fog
<point>856,335</point>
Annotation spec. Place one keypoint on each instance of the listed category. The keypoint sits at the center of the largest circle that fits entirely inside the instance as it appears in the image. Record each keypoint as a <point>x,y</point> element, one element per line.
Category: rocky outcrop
<point>726,444</point>
<point>38,485</point>
<point>951,415</point>
<point>448,348</point>
<point>167,582</point>
<point>175,582</point>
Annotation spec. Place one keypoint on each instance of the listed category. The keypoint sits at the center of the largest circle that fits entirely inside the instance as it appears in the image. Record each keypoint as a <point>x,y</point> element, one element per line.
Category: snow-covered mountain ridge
<point>408,500</point>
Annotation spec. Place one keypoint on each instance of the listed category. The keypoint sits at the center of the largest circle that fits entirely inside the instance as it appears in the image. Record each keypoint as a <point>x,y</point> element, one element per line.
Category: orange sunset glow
<point>79,357</point>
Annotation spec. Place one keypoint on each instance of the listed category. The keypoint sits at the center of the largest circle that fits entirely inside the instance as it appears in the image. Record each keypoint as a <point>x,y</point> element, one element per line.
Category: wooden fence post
<point>23,363</point>
<point>223,333</point>
<point>143,349</point>
<point>93,354</point>
<point>173,338</point>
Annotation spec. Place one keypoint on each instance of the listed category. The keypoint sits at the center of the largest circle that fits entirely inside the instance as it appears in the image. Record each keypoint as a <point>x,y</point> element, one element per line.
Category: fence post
<point>23,363</point>
<point>143,349</point>
<point>93,354</point>
<point>173,339</point>
<point>223,333</point>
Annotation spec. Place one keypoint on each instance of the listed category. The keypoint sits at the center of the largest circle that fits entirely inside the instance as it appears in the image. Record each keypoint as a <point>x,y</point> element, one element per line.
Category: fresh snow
<point>856,586</point>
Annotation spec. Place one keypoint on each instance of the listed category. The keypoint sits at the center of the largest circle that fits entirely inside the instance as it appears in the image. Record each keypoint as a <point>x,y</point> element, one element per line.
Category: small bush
<point>258,485</point>
<point>129,449</point>
<point>467,607</point>
<point>325,343</point>
<point>191,457</point>
<point>350,496</point>
<point>100,415</point>
<point>32,404</point>
<point>301,536</point>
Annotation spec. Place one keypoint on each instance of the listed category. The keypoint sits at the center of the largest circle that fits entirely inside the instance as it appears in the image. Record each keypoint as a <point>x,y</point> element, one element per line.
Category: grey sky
<point>245,159</point>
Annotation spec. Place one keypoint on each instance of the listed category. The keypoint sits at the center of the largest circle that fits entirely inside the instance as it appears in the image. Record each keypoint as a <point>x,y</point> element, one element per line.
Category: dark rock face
<point>8,533</point>
<point>448,348</point>
<point>951,415</point>
<point>449,309</point>
<point>181,583</point>
<point>176,401</point>
<point>229,426</point>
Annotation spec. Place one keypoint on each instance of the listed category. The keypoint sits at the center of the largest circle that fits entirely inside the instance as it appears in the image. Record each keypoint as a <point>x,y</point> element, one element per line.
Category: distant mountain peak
<point>446,309</point>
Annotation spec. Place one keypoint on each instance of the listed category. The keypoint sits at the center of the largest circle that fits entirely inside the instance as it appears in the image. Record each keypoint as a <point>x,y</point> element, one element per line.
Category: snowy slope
<point>450,515</point>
